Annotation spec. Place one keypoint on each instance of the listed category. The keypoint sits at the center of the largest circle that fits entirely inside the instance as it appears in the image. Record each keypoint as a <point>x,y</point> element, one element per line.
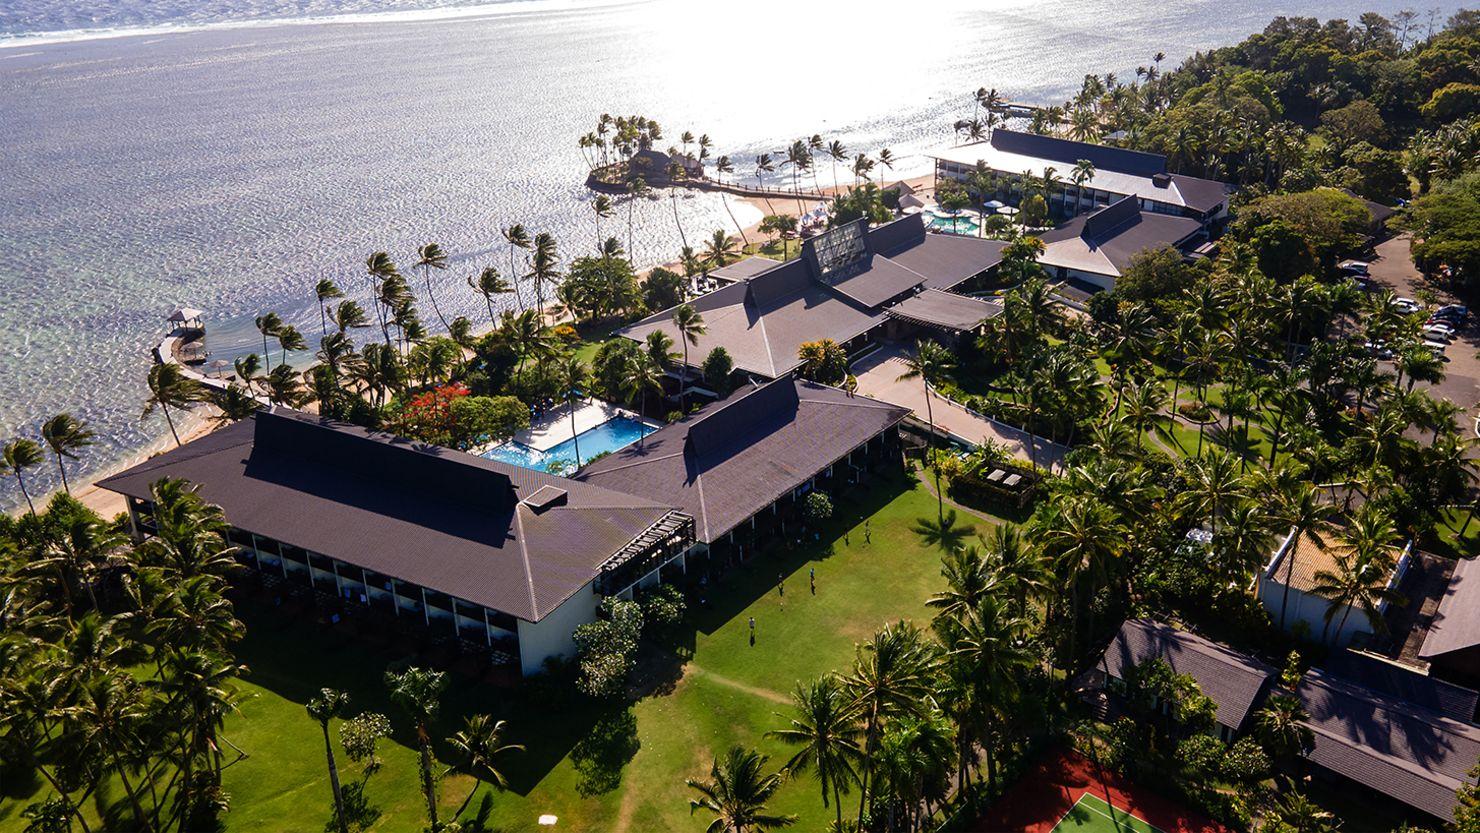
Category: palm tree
<point>324,291</point>
<point>1084,171</point>
<point>862,167</point>
<point>636,189</point>
<point>763,165</point>
<point>1280,725</point>
<point>289,339</point>
<point>246,368</point>
<point>169,387</point>
<point>641,374</point>
<point>573,377</point>
<point>1359,581</point>
<point>968,581</point>
<point>1299,509</point>
<point>891,677</point>
<point>379,269</point>
<point>720,250</point>
<point>601,206</point>
<point>429,257</point>
<point>17,456</point>
<point>736,793</point>
<point>478,744</point>
<point>349,315</point>
<point>489,283</point>
<point>690,325</point>
<point>418,692</point>
<point>64,434</point>
<point>543,268</point>
<point>823,728</point>
<point>518,238</point>
<point>799,159</point>
<point>886,159</point>
<point>268,324</point>
<point>1212,484</point>
<point>723,166</point>
<point>986,641</point>
<point>1142,406</point>
<point>323,708</point>
<point>930,362</point>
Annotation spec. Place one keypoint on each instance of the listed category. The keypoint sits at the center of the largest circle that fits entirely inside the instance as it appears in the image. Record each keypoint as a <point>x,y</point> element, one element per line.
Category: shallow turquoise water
<point>608,436</point>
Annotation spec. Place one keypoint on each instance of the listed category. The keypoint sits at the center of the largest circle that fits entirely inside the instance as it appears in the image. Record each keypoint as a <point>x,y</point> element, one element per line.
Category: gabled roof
<point>1457,622</point>
<point>1104,242</point>
<point>1406,683</point>
<point>1406,752</point>
<point>878,281</point>
<point>1117,170</point>
<point>733,458</point>
<point>947,310</point>
<point>1233,681</point>
<point>745,268</point>
<point>508,538</point>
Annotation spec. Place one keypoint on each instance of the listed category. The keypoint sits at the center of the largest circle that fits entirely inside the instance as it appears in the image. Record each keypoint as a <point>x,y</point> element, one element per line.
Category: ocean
<point>228,154</point>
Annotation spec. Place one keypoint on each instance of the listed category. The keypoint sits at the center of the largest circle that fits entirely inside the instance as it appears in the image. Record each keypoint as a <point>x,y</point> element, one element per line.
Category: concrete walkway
<point>878,376</point>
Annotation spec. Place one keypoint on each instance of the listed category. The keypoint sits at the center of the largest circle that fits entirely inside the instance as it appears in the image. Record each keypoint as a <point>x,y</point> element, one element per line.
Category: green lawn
<point>1091,814</point>
<point>614,769</point>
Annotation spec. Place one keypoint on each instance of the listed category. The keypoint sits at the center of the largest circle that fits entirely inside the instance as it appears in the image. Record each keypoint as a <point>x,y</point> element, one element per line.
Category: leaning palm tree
<point>823,728</point>
<point>325,291</point>
<point>763,165</point>
<point>601,206</point>
<point>891,677</point>
<point>64,434</point>
<point>543,269</point>
<point>418,692</point>
<point>722,166</point>
<point>573,377</point>
<point>637,188</point>
<point>246,368</point>
<point>17,456</point>
<point>838,153</point>
<point>930,362</point>
<point>1299,508</point>
<point>290,339</point>
<point>517,238</point>
<point>323,708</point>
<point>429,257</point>
<point>268,324</point>
<point>478,744</point>
<point>641,375</point>
<point>886,159</point>
<point>349,315</point>
<point>736,793</point>
<point>719,250</point>
<point>690,325</point>
<point>489,283</point>
<point>1357,583</point>
<point>169,387</point>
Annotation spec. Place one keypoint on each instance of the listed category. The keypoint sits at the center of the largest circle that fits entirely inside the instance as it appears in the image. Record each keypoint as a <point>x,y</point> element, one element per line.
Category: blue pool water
<point>965,226</point>
<point>611,435</point>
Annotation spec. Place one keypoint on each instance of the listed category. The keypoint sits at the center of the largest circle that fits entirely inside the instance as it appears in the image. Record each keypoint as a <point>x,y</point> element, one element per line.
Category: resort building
<point>1287,584</point>
<point>1388,744</point>
<point>1234,682</point>
<point>1096,248</point>
<point>485,552</point>
<point>840,288</point>
<point>1013,156</point>
<point>736,465</point>
<point>1452,644</point>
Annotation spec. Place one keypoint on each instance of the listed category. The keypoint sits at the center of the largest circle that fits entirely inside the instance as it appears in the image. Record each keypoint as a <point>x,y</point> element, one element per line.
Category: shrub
<point>717,369</point>
<point>663,609</point>
<point>817,507</point>
<point>606,648</point>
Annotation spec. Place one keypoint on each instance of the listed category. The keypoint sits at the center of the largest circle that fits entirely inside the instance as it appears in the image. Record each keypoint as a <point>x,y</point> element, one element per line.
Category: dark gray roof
<point>945,260</point>
<point>937,308</point>
<point>879,281</point>
<point>1069,152</point>
<point>742,269</point>
<point>1104,242</point>
<point>732,458</point>
<point>493,534</point>
<point>1233,681</point>
<point>1406,752</point>
<point>1457,622</point>
<point>1406,683</point>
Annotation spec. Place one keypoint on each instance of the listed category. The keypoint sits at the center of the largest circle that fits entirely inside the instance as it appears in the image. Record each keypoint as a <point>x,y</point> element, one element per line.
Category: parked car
<point>1458,309</point>
<point>1437,347</point>
<point>1442,324</point>
<point>1407,305</point>
<point>1438,333</point>
<point>1354,267</point>
<point>1379,349</point>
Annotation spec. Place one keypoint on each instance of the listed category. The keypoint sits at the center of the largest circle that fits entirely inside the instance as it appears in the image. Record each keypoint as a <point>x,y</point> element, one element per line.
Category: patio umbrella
<point>1007,210</point>
<point>994,204</point>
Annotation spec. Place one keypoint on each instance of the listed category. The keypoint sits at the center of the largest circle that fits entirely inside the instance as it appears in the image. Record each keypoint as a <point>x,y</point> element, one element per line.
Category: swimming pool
<point>961,225</point>
<point>615,433</point>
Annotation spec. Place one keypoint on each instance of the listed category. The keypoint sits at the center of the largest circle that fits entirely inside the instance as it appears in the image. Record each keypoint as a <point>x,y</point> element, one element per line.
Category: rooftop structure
<point>1118,173</point>
<point>837,289</point>
<point>1388,744</point>
<point>1453,640</point>
<point>734,458</point>
<point>1297,565</point>
<point>1236,683</point>
<point>945,310</point>
<point>1098,247</point>
<point>745,268</point>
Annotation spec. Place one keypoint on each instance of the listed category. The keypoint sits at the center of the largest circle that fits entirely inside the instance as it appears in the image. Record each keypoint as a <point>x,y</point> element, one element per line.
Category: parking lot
<point>1393,269</point>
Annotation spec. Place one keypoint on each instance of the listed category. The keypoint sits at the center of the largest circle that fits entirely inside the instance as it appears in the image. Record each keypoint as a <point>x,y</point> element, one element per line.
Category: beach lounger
<point>1012,480</point>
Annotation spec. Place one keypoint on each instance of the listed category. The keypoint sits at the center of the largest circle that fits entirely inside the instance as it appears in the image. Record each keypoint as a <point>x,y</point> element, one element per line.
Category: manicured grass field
<point>612,769</point>
<point>1091,814</point>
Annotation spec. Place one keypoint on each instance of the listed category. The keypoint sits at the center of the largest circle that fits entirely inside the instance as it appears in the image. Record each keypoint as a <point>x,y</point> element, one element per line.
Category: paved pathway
<point>878,376</point>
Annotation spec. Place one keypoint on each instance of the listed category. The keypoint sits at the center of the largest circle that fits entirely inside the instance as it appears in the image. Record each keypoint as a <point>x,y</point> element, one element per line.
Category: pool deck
<point>555,426</point>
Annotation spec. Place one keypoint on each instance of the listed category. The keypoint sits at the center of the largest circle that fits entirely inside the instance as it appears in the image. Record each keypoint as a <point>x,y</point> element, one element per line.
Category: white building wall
<point>1310,609</point>
<point>552,635</point>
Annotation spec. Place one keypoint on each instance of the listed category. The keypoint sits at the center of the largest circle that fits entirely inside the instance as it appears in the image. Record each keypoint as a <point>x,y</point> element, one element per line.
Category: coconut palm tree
<point>418,692</point>
<point>763,165</point>
<point>246,368</point>
<point>736,793</point>
<point>478,745</point>
<point>720,250</point>
<point>489,283</point>
<point>1298,508</point>
<point>640,375</point>
<point>349,315</point>
<point>891,678</point>
<point>601,206</point>
<point>968,580</point>
<point>169,387</point>
<point>929,363</point>
<point>235,404</point>
<point>1142,404</point>
<point>886,159</point>
<point>690,325</point>
<point>284,386</point>
<point>1280,726</point>
<point>862,167</point>
<point>290,339</point>
<point>325,291</point>
<point>799,159</point>
<point>268,324</point>
<point>823,728</point>
<point>838,153</point>
<point>64,434</point>
<point>660,349</point>
<point>18,455</point>
<point>1084,171</point>
<point>518,238</point>
<point>1213,484</point>
<point>328,705</point>
<point>573,377</point>
<point>723,166</point>
<point>429,257</point>
<point>637,188</point>
<point>379,268</point>
<point>676,173</point>
<point>1358,582</point>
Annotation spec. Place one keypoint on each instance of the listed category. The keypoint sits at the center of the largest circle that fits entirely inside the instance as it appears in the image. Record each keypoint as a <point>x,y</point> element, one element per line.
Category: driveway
<point>1393,269</point>
<point>878,376</point>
